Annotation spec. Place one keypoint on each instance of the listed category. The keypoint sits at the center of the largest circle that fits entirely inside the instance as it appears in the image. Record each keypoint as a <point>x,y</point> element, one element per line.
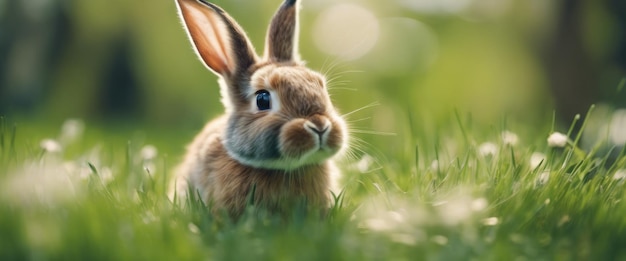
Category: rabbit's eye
<point>263,100</point>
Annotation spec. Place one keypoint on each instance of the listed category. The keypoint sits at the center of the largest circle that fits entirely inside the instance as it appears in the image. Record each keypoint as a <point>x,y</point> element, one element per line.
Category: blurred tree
<point>122,58</point>
<point>571,73</point>
<point>32,34</point>
<point>577,77</point>
<point>617,8</point>
<point>39,42</point>
<point>119,94</point>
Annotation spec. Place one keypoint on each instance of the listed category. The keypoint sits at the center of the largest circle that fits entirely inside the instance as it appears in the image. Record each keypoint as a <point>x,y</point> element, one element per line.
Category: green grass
<point>421,195</point>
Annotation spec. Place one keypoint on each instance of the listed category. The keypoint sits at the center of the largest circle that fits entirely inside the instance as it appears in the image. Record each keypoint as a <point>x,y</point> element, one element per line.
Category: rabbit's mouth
<point>316,156</point>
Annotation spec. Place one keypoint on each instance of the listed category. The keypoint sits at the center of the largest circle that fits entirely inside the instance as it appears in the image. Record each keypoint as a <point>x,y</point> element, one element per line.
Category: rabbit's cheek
<point>295,141</point>
<point>337,136</point>
<point>335,139</point>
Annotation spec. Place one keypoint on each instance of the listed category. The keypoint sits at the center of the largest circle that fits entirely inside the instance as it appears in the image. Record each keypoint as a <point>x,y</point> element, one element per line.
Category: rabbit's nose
<point>320,128</point>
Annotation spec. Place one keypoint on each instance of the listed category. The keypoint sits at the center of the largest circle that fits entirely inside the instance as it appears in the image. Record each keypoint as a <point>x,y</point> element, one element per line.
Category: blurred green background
<point>128,64</point>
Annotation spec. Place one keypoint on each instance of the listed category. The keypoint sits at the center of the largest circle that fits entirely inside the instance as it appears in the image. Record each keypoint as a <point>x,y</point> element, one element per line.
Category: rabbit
<point>277,140</point>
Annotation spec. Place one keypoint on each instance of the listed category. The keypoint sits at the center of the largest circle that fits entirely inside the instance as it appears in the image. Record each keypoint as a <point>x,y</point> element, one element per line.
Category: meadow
<point>471,132</point>
<point>469,193</point>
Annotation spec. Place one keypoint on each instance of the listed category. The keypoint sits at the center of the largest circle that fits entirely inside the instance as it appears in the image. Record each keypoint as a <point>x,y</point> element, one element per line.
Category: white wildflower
<point>44,182</point>
<point>106,175</point>
<point>150,168</point>
<point>564,220</point>
<point>394,214</point>
<point>492,221</point>
<point>71,130</point>
<point>378,224</point>
<point>193,228</point>
<point>82,171</point>
<point>620,174</point>
<point>557,139</point>
<point>618,127</point>
<point>517,238</point>
<point>434,165</point>
<point>509,138</point>
<point>149,152</point>
<point>479,204</point>
<point>386,221</point>
<point>50,145</point>
<point>487,149</point>
<point>364,163</point>
<point>148,217</point>
<point>543,177</point>
<point>536,159</point>
<point>439,239</point>
<point>455,211</point>
<point>404,238</point>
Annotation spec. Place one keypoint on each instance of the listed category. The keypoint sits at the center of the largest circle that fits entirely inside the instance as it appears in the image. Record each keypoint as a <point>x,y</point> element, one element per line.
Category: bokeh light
<point>348,31</point>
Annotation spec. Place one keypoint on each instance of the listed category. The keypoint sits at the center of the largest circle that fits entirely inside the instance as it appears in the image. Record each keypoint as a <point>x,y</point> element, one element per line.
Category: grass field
<point>459,192</point>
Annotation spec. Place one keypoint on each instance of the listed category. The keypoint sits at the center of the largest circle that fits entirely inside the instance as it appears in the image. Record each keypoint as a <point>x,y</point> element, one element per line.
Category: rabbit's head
<point>279,112</point>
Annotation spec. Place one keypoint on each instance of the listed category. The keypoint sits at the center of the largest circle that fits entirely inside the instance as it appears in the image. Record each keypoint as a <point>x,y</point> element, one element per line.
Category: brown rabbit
<point>280,129</point>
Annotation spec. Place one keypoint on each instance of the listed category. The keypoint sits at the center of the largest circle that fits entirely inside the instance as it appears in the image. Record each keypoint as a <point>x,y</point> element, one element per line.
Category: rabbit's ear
<point>282,36</point>
<point>217,38</point>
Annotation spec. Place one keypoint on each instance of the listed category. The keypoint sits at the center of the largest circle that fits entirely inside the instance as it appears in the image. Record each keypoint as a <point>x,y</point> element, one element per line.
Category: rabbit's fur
<point>283,149</point>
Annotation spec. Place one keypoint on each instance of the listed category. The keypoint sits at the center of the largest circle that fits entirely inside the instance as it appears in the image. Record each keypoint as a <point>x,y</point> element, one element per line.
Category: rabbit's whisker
<point>373,132</point>
<point>373,104</point>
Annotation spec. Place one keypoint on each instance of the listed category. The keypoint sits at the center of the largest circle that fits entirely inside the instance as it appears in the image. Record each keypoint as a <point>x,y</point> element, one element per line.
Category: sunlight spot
<point>488,149</point>
<point>50,145</point>
<point>536,159</point>
<point>405,46</point>
<point>348,31</point>
<point>557,139</point>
